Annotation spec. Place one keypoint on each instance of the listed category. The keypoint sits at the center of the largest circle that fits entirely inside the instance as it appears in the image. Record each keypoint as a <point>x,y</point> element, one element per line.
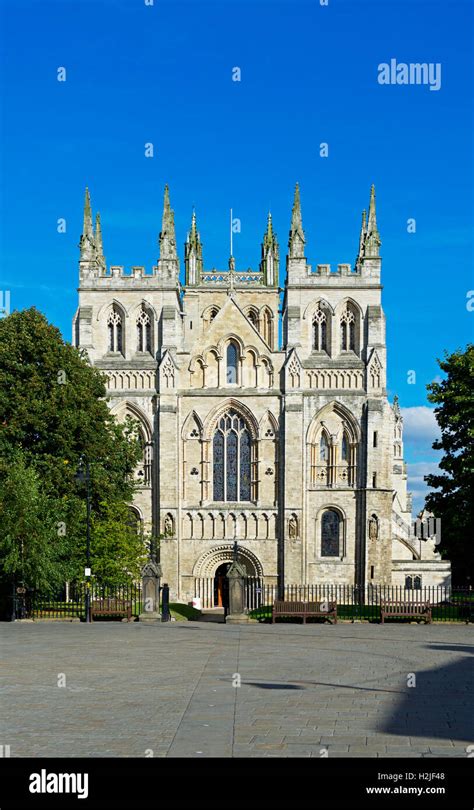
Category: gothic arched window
<point>348,341</point>
<point>232,356</point>
<point>114,328</point>
<point>253,317</point>
<point>212,314</point>
<point>143,332</point>
<point>267,327</point>
<point>232,463</point>
<point>320,331</point>
<point>330,531</point>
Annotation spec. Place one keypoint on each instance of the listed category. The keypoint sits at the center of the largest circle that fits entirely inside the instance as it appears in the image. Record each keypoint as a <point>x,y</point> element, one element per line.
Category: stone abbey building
<point>293,450</point>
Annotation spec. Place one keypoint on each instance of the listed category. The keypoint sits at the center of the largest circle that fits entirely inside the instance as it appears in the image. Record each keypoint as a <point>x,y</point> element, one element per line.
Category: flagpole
<point>231,231</point>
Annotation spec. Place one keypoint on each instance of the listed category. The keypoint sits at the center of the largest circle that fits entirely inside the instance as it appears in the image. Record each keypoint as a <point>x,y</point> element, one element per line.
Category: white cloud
<point>416,484</point>
<point>420,427</point>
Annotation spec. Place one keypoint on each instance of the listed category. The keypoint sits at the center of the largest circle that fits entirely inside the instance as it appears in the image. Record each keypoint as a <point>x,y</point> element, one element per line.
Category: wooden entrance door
<point>221,586</point>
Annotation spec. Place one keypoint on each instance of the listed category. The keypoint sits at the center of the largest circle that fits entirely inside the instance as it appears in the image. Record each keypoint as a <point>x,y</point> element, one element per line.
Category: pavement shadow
<point>440,705</point>
<point>272,685</point>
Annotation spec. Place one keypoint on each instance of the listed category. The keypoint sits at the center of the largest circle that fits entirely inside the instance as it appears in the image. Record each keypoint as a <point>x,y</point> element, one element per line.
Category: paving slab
<point>119,689</point>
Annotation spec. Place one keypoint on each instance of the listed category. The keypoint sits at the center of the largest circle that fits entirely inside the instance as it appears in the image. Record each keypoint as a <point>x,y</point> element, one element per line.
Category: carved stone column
<point>151,576</point>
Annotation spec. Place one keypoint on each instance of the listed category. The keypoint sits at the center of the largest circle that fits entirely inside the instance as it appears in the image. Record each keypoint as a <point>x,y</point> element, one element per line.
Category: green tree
<point>33,544</point>
<point>453,502</point>
<point>119,551</point>
<point>53,410</point>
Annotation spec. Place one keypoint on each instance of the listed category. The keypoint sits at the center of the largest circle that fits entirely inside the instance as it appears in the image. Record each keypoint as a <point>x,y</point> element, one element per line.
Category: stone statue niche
<point>168,526</point>
<point>373,528</point>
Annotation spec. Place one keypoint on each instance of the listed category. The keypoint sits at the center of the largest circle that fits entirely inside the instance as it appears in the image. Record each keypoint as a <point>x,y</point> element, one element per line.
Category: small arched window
<point>348,339</point>
<point>212,314</point>
<point>114,328</point>
<point>320,331</point>
<point>417,583</point>
<point>267,327</point>
<point>143,332</point>
<point>408,583</point>
<point>232,356</point>
<point>253,318</point>
<point>330,531</point>
<point>134,520</point>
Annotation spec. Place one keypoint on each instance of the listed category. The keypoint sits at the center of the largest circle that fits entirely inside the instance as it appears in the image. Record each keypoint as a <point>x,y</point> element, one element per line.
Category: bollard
<point>165,603</point>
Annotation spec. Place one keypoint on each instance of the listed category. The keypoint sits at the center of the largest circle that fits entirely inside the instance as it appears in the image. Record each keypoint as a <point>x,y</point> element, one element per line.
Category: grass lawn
<point>184,613</point>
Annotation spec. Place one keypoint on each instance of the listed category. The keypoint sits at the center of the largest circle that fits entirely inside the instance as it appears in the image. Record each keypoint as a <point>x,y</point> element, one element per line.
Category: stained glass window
<point>245,466</point>
<point>330,534</point>
<point>231,472</point>
<point>231,363</point>
<point>232,459</point>
<point>218,451</point>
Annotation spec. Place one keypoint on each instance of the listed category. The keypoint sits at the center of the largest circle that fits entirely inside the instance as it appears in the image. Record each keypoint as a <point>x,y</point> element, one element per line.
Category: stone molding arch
<point>340,410</point>
<point>207,310</point>
<point>145,305</point>
<point>224,342</point>
<point>192,418</point>
<point>112,303</point>
<point>131,409</point>
<point>312,306</point>
<point>207,564</point>
<point>341,305</point>
<point>269,418</point>
<point>212,418</point>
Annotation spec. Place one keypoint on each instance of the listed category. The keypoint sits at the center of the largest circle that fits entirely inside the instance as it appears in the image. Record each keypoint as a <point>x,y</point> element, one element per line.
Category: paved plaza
<point>168,690</point>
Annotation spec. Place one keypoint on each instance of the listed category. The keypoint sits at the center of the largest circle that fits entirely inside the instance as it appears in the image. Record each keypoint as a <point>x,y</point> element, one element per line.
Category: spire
<point>168,264</point>
<point>193,254</point>
<point>87,229</point>
<point>98,244</point>
<point>87,260</point>
<point>297,240</point>
<point>362,238</point>
<point>270,255</point>
<point>372,241</point>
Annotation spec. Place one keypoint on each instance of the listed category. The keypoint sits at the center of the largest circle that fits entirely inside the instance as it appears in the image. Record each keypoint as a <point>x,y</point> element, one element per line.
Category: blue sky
<point>163,74</point>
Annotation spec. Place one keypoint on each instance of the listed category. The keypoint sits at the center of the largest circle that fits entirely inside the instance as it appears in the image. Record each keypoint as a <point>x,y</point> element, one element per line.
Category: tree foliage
<point>453,501</point>
<point>53,411</point>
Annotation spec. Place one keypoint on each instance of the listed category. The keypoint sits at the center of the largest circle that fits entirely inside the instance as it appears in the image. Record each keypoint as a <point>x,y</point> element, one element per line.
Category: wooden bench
<point>408,609</point>
<point>304,609</point>
<point>111,607</point>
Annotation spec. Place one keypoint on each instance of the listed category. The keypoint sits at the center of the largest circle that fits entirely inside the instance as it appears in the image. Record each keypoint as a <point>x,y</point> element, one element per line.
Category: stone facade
<point>293,450</point>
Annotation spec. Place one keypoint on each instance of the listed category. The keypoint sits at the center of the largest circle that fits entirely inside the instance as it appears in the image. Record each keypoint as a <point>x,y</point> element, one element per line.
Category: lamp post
<point>83,475</point>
